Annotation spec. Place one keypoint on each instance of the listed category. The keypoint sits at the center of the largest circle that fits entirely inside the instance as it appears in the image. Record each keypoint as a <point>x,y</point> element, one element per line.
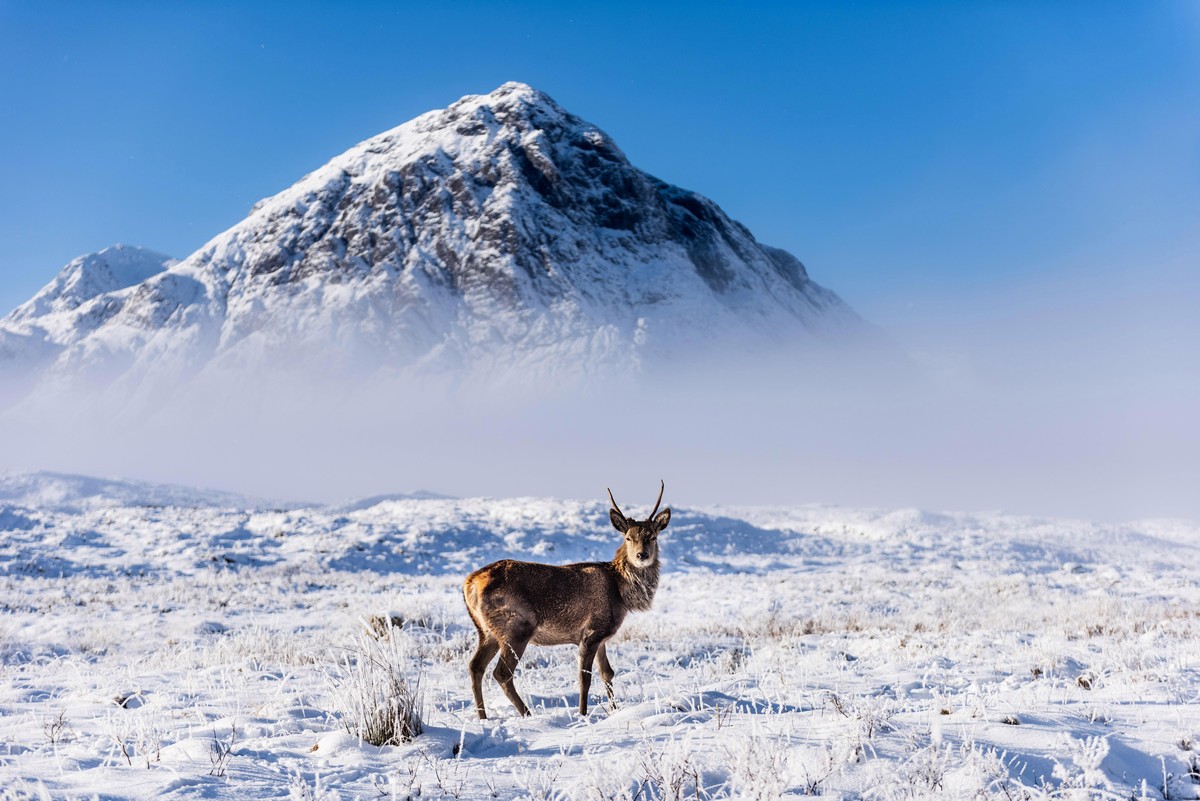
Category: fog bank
<point>1066,414</point>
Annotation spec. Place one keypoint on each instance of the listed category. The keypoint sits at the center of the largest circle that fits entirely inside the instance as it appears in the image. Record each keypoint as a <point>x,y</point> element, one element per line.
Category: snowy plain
<point>166,643</point>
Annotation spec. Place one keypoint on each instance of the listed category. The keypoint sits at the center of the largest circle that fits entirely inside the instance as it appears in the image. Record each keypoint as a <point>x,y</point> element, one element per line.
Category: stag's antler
<point>661,489</point>
<point>614,504</point>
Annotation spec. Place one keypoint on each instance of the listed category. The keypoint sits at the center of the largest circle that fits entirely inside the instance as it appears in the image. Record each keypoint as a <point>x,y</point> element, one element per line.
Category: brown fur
<point>516,603</point>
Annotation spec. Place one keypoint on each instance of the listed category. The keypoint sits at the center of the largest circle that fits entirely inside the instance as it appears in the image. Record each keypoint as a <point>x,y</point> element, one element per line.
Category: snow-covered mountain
<point>499,236</point>
<point>69,493</point>
<point>88,277</point>
<point>84,295</point>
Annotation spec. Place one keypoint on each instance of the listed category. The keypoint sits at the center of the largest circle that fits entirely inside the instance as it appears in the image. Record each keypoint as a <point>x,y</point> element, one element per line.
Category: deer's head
<point>641,536</point>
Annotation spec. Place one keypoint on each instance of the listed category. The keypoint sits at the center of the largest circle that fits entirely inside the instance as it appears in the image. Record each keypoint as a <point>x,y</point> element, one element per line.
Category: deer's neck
<point>637,584</point>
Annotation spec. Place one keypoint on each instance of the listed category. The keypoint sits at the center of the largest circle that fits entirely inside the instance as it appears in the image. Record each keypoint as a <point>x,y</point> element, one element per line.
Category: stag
<point>516,603</point>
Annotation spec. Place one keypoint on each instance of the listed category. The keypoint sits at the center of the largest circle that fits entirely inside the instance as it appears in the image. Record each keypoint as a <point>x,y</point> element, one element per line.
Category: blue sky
<point>1010,189</point>
<point>907,152</point>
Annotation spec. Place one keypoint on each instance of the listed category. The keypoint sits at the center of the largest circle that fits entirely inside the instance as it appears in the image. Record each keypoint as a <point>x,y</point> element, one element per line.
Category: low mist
<point>1072,413</point>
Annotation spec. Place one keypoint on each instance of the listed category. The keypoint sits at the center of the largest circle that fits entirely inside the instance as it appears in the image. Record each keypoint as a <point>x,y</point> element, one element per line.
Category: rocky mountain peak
<point>501,235</point>
<point>86,277</point>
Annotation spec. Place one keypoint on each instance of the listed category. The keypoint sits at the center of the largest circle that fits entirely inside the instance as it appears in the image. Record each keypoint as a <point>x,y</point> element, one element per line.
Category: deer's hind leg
<point>510,654</point>
<point>606,673</point>
<point>488,646</point>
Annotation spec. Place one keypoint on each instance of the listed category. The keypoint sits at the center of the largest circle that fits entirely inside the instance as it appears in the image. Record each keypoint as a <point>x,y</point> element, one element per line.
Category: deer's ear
<point>618,520</point>
<point>662,518</point>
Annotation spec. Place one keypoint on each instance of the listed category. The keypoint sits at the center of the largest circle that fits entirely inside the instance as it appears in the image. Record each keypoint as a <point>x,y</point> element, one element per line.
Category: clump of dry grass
<point>378,701</point>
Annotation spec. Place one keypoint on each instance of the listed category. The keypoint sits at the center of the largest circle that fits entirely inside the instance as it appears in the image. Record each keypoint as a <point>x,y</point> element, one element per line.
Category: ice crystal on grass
<point>378,700</point>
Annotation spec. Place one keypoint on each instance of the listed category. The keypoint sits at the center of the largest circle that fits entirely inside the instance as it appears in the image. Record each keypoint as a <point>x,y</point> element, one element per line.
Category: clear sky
<point>1011,189</point>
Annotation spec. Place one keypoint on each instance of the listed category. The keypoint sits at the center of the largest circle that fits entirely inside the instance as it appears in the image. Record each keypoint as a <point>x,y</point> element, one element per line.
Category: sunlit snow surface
<point>790,652</point>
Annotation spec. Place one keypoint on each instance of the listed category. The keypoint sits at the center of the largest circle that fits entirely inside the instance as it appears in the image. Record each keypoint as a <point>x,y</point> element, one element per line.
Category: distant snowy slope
<point>374,500</point>
<point>499,237</point>
<point>61,492</point>
<point>177,530</point>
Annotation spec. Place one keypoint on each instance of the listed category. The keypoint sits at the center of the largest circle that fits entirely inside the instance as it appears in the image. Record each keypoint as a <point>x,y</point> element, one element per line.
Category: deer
<point>516,603</point>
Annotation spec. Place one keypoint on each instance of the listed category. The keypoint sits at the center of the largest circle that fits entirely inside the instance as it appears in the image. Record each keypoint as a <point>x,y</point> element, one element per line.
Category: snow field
<point>166,652</point>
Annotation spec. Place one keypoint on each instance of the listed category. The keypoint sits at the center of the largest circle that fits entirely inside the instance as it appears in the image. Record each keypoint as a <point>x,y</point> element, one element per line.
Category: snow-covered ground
<point>173,646</point>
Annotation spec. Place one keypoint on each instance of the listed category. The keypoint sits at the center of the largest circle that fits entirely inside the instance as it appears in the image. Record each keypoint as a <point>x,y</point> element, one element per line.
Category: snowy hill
<point>196,651</point>
<point>500,236</point>
<point>63,492</point>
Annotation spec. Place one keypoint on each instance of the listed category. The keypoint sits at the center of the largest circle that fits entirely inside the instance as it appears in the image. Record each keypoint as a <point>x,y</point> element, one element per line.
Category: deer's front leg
<point>587,657</point>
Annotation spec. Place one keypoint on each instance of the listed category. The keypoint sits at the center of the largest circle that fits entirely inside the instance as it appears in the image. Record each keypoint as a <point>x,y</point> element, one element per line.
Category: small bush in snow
<point>670,774</point>
<point>380,626</point>
<point>219,751</point>
<point>759,766</point>
<point>301,790</point>
<point>378,703</point>
<point>56,728</point>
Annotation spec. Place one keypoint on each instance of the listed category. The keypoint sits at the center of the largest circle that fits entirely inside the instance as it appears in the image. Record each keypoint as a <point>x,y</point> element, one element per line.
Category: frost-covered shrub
<point>669,773</point>
<point>301,790</point>
<point>378,700</point>
<point>759,766</point>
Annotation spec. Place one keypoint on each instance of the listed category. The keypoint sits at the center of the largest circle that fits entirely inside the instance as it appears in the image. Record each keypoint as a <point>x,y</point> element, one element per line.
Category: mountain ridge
<point>501,234</point>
